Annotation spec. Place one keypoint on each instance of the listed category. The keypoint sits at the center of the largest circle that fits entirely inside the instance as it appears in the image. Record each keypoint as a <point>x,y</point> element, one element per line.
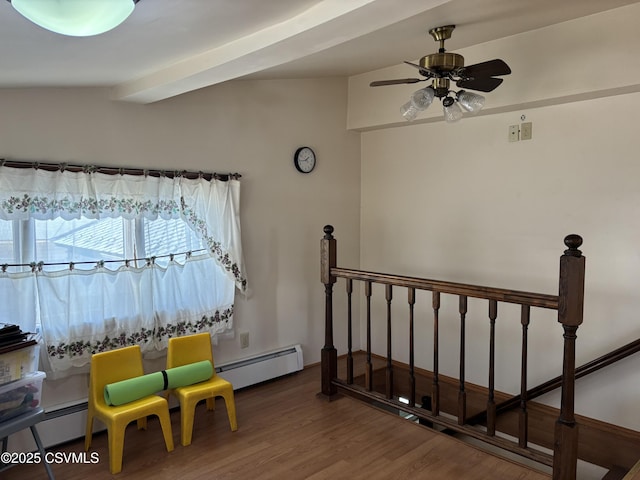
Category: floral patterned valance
<point>211,208</point>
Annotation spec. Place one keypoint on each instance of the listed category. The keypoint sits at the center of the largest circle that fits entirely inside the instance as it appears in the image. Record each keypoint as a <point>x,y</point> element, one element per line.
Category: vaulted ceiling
<point>169,47</point>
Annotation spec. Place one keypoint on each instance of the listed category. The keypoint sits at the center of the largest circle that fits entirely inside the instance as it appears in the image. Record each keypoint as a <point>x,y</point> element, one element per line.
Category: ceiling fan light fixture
<point>423,97</point>
<point>470,102</point>
<point>452,110</point>
<point>420,100</point>
<point>409,111</point>
<point>76,18</point>
<point>447,67</point>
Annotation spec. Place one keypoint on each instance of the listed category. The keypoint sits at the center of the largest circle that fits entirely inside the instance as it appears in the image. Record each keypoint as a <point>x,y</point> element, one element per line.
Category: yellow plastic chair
<point>114,366</point>
<point>191,349</point>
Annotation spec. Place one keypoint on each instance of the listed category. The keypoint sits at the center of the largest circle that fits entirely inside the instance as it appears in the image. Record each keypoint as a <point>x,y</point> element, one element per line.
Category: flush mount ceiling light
<point>443,68</point>
<point>76,18</point>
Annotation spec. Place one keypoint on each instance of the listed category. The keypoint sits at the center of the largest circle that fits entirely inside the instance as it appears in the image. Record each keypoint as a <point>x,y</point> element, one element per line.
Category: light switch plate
<point>514,133</point>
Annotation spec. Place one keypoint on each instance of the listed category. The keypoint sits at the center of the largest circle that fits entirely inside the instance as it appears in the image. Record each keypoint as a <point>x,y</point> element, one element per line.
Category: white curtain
<point>85,311</point>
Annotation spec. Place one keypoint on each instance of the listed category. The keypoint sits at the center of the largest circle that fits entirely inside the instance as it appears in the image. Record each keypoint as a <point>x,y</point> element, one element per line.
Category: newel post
<point>329,355</point>
<point>570,311</point>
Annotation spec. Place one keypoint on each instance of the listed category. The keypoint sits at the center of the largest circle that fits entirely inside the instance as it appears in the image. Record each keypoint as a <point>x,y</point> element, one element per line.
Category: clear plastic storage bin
<point>21,396</point>
<point>16,364</point>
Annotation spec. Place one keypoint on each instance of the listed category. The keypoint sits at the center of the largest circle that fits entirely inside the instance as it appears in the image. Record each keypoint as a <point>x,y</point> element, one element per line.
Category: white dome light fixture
<point>76,18</point>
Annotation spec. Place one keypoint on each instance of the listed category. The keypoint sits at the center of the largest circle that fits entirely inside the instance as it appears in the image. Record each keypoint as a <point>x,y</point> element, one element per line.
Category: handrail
<point>490,293</point>
<point>556,382</point>
<point>569,304</point>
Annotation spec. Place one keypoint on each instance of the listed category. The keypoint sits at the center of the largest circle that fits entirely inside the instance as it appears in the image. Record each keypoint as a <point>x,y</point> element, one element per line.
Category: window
<point>83,230</point>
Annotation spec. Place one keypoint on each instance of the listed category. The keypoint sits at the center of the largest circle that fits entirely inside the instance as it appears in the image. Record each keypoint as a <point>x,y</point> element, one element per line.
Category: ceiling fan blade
<point>490,68</point>
<point>423,71</point>
<point>482,84</point>
<point>380,83</point>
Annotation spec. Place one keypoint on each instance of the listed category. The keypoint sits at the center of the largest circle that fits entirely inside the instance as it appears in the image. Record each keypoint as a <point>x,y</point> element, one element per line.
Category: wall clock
<point>304,159</point>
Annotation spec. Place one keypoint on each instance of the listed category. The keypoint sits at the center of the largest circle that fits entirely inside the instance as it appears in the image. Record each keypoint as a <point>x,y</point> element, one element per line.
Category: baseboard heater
<point>260,368</point>
<point>67,423</point>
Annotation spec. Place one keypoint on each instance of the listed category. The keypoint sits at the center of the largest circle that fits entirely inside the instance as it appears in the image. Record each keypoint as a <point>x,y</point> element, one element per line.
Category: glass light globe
<point>423,97</point>
<point>471,102</point>
<point>77,18</point>
<point>420,100</point>
<point>452,111</point>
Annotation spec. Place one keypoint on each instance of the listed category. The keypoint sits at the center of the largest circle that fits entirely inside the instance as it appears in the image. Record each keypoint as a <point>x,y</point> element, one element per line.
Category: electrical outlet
<point>244,340</point>
<point>526,131</point>
<point>514,133</point>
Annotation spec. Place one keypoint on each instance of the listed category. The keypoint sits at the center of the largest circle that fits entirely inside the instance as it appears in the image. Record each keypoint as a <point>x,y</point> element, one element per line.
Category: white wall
<point>250,127</point>
<point>459,202</point>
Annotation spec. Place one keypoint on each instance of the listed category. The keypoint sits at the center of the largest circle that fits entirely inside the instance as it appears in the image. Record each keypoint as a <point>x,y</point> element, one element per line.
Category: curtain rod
<point>52,167</point>
<point>38,266</point>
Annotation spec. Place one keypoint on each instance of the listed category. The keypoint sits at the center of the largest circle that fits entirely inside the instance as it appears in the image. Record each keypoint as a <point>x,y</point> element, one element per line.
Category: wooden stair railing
<point>568,303</point>
<point>603,444</point>
<point>555,383</point>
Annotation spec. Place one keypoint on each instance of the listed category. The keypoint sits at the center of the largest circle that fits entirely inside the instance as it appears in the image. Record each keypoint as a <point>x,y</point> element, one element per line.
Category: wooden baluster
<point>491,404</point>
<point>369,367</point>
<point>412,377</point>
<point>389,295</point>
<point>462,394</point>
<point>523,435</point>
<point>329,354</point>
<point>570,312</point>
<point>435,390</point>
<point>349,333</point>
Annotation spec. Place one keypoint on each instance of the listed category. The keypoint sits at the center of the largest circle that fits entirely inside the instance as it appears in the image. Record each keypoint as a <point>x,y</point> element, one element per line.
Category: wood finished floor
<point>287,432</point>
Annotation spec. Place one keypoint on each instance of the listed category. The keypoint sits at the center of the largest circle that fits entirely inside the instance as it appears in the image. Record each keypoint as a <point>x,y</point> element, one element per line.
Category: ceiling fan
<point>446,67</point>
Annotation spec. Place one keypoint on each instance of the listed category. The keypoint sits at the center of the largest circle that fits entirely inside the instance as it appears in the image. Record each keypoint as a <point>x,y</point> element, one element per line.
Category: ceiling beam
<point>325,25</point>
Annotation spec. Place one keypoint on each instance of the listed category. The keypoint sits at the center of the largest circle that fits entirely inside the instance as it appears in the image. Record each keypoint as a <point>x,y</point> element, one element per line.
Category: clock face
<point>304,159</point>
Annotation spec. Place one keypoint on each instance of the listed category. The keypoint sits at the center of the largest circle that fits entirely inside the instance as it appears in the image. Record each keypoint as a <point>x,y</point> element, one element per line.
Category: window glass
<point>6,242</point>
<point>163,237</point>
<point>79,240</point>
<point>86,241</point>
